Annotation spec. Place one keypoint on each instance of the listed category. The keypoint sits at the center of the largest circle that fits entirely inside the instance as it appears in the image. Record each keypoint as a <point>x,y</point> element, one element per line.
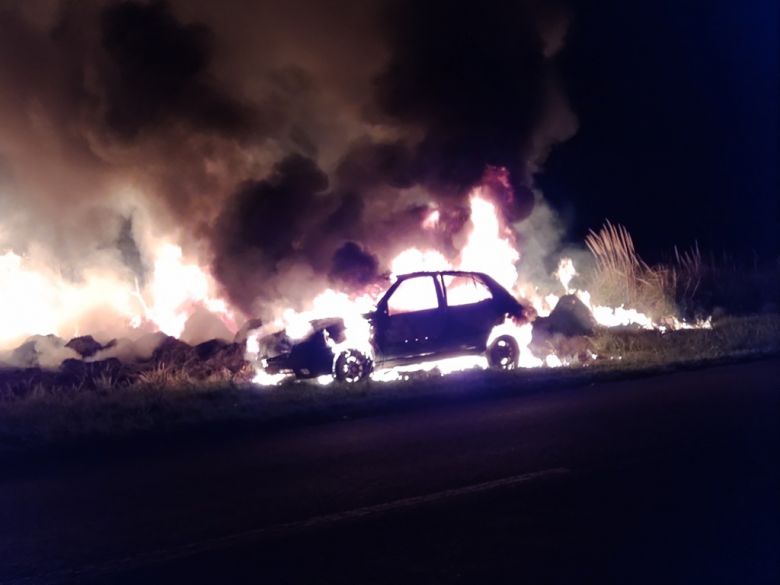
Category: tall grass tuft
<point>166,376</point>
<point>623,278</point>
<point>688,285</point>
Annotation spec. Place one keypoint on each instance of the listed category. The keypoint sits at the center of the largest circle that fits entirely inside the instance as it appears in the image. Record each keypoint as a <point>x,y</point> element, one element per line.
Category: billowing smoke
<point>156,74</point>
<point>474,86</point>
<point>354,266</point>
<point>283,146</point>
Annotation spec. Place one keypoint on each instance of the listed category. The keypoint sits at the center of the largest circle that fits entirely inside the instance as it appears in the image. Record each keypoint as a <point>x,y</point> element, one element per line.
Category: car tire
<point>352,366</point>
<point>503,353</point>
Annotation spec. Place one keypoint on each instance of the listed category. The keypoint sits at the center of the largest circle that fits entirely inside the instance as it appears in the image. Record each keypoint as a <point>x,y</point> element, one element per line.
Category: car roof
<point>495,287</point>
<point>440,272</point>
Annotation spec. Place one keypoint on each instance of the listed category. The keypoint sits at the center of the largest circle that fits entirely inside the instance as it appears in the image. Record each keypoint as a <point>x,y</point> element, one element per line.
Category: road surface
<point>666,479</point>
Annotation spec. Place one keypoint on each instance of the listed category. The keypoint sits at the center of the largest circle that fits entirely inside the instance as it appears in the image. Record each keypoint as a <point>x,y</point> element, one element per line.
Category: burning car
<point>422,316</point>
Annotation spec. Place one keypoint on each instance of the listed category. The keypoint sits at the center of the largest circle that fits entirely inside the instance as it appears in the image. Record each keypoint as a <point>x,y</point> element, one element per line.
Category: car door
<point>470,311</point>
<point>410,318</point>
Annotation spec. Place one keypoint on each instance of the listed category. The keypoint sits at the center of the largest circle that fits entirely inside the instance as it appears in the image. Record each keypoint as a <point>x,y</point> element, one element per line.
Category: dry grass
<point>164,375</point>
<point>160,398</point>
<point>622,277</point>
<point>729,337</point>
<point>689,285</point>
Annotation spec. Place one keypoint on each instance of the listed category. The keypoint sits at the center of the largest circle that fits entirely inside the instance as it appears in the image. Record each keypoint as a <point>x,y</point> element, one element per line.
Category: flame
<point>490,247</point>
<point>619,316</point>
<point>34,299</point>
<point>432,220</point>
<point>522,334</point>
<point>414,260</point>
<point>175,289</point>
<point>565,272</point>
<point>443,366</point>
<point>37,300</point>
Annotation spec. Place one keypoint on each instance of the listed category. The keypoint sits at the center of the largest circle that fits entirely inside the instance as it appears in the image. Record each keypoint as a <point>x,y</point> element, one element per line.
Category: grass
<point>621,276</point>
<point>729,337</point>
<point>168,399</point>
<point>689,285</point>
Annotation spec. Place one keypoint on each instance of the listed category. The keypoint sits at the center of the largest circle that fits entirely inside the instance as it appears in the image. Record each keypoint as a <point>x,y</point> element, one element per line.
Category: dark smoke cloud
<point>158,72</point>
<point>353,266</point>
<point>368,164</point>
<point>267,222</point>
<point>474,81</point>
<point>96,125</point>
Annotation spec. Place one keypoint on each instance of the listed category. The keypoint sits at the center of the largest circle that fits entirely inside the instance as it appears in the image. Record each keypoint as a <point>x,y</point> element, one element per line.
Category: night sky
<point>678,125</point>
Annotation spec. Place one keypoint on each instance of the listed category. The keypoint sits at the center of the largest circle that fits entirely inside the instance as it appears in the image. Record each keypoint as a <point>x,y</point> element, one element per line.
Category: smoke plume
<point>285,147</point>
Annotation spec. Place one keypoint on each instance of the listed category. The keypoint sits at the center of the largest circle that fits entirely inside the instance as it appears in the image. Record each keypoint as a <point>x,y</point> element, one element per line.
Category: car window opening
<point>413,294</point>
<point>464,290</point>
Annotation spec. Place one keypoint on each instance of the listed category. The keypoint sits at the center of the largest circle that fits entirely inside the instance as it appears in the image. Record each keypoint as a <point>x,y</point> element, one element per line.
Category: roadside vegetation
<point>689,285</point>
<point>730,337</point>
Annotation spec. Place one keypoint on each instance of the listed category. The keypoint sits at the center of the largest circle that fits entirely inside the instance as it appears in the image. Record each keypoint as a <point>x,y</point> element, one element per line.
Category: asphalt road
<point>666,479</point>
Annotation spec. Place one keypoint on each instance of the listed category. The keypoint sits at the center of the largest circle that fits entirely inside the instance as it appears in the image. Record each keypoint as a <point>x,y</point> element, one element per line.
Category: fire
<point>443,367</point>
<point>618,316</point>
<point>432,221</point>
<point>522,335</point>
<point>566,272</point>
<point>37,300</point>
<point>414,260</point>
<point>34,299</point>
<point>489,247</point>
<point>175,289</point>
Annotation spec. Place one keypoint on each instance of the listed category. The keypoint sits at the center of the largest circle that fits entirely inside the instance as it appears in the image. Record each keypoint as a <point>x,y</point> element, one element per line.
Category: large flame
<point>176,288</point>
<point>490,247</point>
<point>37,300</point>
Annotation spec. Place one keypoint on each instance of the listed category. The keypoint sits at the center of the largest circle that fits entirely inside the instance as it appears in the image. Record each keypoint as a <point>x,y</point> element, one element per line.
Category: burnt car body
<point>423,315</point>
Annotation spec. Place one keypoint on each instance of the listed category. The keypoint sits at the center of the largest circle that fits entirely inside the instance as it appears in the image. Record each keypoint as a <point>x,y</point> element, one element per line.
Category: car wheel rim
<point>504,355</point>
<point>352,368</point>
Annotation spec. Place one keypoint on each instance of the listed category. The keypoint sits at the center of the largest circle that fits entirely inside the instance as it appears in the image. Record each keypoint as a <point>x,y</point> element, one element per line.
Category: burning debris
<point>85,364</point>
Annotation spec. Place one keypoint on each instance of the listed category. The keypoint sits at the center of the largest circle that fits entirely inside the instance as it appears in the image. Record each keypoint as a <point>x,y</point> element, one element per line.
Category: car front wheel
<point>352,366</point>
<point>504,353</point>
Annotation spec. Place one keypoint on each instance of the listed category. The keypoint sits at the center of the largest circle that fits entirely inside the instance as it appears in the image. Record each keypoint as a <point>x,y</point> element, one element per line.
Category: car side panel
<point>469,326</point>
<point>411,334</point>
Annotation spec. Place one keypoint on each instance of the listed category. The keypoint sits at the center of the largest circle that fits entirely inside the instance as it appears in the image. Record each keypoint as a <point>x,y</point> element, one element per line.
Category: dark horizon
<point>678,126</point>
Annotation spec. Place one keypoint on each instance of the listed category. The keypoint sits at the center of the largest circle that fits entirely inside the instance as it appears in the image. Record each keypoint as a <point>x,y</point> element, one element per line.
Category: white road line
<point>180,551</point>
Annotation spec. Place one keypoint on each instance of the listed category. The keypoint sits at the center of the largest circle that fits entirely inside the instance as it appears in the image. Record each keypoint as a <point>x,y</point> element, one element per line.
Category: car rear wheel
<point>504,353</point>
<point>352,366</point>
